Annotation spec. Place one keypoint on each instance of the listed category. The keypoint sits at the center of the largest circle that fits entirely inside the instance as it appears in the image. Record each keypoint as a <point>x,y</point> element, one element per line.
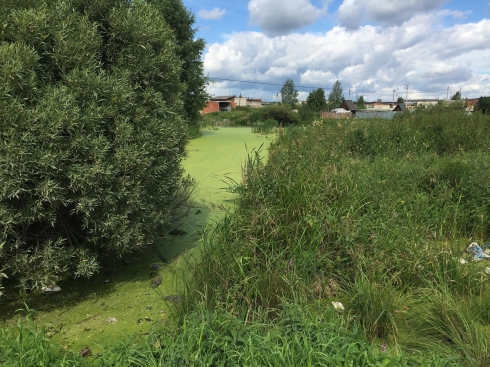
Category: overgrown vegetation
<point>375,214</point>
<point>93,130</point>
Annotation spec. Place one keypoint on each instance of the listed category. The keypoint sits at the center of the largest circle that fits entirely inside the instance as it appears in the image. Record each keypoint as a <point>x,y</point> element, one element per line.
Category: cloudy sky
<point>373,47</point>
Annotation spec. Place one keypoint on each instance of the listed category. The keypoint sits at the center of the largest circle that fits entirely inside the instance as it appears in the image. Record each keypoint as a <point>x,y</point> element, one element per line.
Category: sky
<point>380,49</point>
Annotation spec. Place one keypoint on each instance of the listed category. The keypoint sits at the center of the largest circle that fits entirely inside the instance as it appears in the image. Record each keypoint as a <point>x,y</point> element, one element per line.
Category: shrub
<point>283,115</point>
<point>91,134</point>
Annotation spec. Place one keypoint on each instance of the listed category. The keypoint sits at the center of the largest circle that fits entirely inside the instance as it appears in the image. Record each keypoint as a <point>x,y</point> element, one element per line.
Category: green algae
<point>120,301</point>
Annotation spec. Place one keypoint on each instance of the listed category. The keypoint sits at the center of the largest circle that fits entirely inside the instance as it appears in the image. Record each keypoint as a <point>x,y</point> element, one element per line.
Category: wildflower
<point>402,201</point>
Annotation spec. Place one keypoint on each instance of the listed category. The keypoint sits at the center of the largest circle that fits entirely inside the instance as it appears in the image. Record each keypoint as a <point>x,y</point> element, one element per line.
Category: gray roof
<point>221,98</point>
<point>351,106</point>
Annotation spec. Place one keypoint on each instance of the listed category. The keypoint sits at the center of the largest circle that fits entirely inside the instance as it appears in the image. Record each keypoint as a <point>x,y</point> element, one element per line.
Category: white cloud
<point>279,17</point>
<point>352,12</point>
<point>215,13</point>
<point>372,60</point>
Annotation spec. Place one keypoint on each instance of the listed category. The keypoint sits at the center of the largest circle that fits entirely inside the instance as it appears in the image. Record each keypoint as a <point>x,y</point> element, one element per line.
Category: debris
<point>50,289</point>
<point>149,308</point>
<point>478,253</point>
<point>112,320</point>
<point>462,261</point>
<point>155,282</point>
<point>173,298</point>
<point>487,270</point>
<point>107,281</point>
<point>338,306</point>
<point>177,232</point>
<point>155,266</point>
<point>85,352</point>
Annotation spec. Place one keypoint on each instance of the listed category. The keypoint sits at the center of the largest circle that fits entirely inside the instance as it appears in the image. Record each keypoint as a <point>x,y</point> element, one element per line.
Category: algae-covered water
<point>119,301</point>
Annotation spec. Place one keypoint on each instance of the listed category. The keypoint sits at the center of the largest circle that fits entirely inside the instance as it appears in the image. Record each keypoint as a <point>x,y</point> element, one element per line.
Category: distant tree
<point>335,98</point>
<point>316,100</point>
<point>289,94</point>
<point>400,100</point>
<point>483,105</point>
<point>456,96</point>
<point>360,104</point>
<point>379,100</point>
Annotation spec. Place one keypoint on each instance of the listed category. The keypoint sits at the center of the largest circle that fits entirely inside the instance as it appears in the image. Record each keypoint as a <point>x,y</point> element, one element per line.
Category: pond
<point>120,301</point>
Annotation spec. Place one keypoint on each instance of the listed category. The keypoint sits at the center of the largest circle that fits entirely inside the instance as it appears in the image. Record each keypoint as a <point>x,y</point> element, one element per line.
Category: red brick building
<point>220,103</point>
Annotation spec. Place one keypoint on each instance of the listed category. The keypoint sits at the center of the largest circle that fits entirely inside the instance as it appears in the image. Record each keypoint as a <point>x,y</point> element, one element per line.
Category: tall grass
<point>368,212</point>
<point>27,345</point>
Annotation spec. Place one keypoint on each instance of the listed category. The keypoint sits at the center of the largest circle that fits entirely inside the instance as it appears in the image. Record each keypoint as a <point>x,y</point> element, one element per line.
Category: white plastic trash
<point>338,306</point>
<point>477,251</point>
<point>50,289</point>
<point>462,261</point>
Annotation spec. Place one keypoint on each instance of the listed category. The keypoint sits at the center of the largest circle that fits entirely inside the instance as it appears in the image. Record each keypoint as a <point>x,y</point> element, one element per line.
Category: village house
<point>219,103</point>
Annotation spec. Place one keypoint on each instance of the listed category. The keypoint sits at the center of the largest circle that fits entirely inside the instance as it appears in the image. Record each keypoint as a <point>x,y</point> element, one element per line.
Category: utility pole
<point>277,95</point>
<point>406,98</point>
<point>394,96</point>
<point>447,94</point>
<point>349,93</point>
<point>357,96</point>
<point>460,96</point>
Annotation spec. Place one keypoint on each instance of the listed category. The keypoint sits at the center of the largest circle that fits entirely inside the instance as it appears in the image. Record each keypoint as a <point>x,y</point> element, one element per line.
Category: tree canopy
<point>289,94</point>
<point>316,100</point>
<point>335,98</point>
<point>360,103</point>
<point>93,125</point>
<point>483,105</point>
<point>400,100</point>
<point>456,96</point>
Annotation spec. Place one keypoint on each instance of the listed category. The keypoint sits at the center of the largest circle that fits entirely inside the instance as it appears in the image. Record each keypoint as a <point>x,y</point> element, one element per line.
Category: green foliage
<point>335,97</point>
<point>400,100</point>
<point>289,94</point>
<point>360,103</point>
<point>483,105</point>
<point>284,115</point>
<point>28,345</point>
<point>372,213</point>
<point>265,127</point>
<point>92,134</point>
<point>306,115</point>
<point>316,100</point>
<point>189,49</point>
<point>456,96</point>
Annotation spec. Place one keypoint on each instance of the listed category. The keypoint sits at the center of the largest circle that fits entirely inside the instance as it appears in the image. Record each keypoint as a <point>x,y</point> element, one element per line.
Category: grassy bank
<point>375,214</point>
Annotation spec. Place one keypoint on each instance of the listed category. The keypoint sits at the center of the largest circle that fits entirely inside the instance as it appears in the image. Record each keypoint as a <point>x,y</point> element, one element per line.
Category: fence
<point>333,115</point>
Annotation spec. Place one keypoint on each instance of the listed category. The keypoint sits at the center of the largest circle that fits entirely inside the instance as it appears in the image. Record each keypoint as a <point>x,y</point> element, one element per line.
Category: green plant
<point>92,134</point>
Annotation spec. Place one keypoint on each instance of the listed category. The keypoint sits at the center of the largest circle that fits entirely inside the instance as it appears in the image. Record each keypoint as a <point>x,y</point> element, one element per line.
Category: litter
<point>50,289</point>
<point>463,261</point>
<point>338,305</point>
<point>477,252</point>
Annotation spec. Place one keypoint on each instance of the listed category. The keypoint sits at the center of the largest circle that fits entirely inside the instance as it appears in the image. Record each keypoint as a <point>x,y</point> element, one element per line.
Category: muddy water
<point>120,301</point>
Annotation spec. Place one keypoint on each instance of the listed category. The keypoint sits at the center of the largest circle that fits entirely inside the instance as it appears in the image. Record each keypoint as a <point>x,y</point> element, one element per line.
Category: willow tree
<point>92,133</point>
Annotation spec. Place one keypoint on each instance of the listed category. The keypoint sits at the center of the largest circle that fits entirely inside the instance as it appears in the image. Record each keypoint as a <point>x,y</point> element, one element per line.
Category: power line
<point>327,88</point>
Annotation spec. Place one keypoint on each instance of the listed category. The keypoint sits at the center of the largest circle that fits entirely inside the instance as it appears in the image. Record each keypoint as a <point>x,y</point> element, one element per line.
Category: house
<point>349,105</point>
<point>400,107</point>
<point>219,103</point>
<point>254,102</point>
<point>470,104</point>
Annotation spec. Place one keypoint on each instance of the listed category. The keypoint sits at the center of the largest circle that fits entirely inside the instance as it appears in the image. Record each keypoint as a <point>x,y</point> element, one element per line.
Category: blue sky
<point>371,46</point>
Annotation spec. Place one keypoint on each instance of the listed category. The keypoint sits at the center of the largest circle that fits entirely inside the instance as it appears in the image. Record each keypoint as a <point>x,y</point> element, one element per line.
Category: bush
<point>283,115</point>
<point>92,134</point>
